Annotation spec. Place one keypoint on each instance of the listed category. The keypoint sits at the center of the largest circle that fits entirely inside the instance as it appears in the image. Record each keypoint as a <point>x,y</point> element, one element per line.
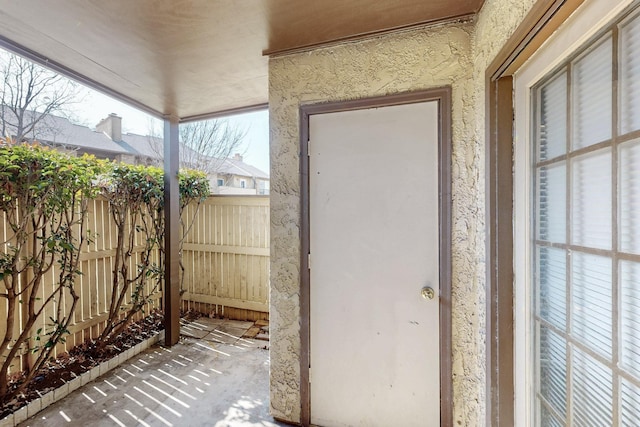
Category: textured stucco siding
<point>495,23</point>
<point>454,55</point>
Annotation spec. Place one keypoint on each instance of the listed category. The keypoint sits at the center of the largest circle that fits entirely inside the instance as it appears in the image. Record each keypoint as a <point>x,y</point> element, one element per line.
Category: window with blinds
<point>586,228</point>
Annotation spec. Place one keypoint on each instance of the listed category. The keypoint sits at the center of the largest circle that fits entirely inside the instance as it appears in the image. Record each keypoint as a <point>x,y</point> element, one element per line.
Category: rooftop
<point>61,131</point>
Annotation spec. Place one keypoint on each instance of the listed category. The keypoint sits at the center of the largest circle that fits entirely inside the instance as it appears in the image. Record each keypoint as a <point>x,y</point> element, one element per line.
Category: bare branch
<point>29,94</point>
<point>204,145</point>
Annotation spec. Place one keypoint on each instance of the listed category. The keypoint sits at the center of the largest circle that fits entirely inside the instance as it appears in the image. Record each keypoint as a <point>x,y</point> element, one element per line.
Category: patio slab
<point>194,383</point>
<point>239,324</point>
<point>192,332</point>
<point>206,323</point>
<point>230,330</point>
<point>220,338</point>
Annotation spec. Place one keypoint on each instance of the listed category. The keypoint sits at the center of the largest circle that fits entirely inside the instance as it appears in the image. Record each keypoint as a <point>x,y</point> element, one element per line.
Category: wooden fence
<point>225,255</point>
<point>95,282</point>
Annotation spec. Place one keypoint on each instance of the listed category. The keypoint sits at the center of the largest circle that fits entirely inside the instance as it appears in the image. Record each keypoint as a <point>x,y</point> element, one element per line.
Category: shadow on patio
<point>212,377</point>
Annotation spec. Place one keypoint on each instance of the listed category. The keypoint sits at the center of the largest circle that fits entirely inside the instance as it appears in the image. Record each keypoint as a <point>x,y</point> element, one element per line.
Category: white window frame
<point>593,16</point>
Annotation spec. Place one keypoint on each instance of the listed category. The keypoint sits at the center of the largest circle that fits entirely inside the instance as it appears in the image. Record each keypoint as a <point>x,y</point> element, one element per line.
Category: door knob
<point>427,292</point>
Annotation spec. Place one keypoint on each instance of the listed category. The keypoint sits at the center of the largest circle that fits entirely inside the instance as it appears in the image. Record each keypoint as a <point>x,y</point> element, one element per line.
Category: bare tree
<point>204,145</point>
<point>29,95</point>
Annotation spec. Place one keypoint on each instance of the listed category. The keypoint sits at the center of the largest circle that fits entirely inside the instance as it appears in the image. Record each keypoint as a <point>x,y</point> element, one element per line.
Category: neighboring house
<point>226,176</point>
<point>236,177</point>
<point>61,134</point>
<point>231,176</point>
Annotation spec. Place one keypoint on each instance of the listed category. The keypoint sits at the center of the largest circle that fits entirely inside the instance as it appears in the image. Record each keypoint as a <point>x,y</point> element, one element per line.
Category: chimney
<point>237,157</point>
<point>112,126</point>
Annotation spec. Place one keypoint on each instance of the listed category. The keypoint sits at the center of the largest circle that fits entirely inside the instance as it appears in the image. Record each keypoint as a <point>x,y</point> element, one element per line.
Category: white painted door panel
<point>374,343</point>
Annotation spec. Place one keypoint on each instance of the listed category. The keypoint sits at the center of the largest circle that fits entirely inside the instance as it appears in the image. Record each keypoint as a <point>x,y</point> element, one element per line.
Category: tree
<point>29,94</point>
<point>205,144</point>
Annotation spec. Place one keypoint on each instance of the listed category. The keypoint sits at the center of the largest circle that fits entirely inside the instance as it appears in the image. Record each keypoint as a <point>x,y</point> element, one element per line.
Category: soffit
<point>190,58</point>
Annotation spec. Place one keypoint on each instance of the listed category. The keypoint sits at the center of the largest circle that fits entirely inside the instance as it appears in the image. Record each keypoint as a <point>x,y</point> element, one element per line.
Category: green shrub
<point>43,196</point>
<point>135,195</point>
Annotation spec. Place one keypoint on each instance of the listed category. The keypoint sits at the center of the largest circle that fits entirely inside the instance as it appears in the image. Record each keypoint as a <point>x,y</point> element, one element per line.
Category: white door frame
<point>443,96</point>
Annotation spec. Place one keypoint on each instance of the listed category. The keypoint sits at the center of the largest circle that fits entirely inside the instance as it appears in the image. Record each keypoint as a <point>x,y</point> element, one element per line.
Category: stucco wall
<point>495,23</point>
<point>455,55</point>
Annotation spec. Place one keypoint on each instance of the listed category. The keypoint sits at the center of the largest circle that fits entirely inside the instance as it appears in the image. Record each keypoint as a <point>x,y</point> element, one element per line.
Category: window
<point>220,182</point>
<point>243,183</point>
<point>586,235</point>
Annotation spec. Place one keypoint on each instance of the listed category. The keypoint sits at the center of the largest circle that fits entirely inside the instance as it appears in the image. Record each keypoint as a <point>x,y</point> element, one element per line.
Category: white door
<point>374,229</point>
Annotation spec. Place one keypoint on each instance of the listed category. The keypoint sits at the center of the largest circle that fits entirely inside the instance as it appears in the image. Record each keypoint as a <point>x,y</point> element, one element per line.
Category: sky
<point>96,106</point>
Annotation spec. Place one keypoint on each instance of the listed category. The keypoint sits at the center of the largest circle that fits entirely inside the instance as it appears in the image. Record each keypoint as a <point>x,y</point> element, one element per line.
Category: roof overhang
<point>196,58</point>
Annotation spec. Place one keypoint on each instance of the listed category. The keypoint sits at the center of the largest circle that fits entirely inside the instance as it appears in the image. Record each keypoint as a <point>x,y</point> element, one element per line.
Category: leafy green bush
<point>194,187</point>
<point>43,196</point>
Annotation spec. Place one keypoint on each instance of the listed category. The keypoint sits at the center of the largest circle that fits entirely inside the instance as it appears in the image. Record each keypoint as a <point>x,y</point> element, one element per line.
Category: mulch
<point>78,360</point>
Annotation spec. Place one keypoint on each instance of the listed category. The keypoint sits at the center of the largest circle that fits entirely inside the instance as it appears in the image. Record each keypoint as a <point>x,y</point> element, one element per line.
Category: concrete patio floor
<point>213,377</point>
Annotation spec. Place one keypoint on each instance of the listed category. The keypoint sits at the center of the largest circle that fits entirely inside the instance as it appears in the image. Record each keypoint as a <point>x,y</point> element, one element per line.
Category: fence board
<point>227,249</point>
<point>227,302</point>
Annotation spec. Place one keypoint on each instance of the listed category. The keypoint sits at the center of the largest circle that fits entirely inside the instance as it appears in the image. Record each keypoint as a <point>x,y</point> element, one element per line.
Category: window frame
<point>548,63</point>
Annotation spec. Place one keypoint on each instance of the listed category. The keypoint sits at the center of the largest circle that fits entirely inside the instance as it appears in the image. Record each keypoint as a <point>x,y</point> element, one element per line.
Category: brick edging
<point>37,405</point>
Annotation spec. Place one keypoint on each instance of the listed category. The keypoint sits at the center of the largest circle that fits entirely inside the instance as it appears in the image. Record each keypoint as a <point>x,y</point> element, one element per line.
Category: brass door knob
<point>427,292</point>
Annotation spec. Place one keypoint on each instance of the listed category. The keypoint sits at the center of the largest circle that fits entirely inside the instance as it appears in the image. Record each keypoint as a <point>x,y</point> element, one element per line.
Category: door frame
<point>544,17</point>
<point>443,96</point>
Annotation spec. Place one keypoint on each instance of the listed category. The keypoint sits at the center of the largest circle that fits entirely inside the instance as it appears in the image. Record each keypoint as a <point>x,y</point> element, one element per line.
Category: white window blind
<point>630,77</point>
<point>629,183</point>
<point>630,317</point>
<point>592,96</point>
<point>630,403</point>
<point>591,200</point>
<point>552,201</point>
<point>553,118</point>
<point>592,391</point>
<point>552,273</point>
<point>553,370</point>
<point>591,310</point>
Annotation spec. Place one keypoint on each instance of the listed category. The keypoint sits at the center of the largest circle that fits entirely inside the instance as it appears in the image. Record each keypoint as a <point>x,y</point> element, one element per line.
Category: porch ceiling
<point>191,58</point>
